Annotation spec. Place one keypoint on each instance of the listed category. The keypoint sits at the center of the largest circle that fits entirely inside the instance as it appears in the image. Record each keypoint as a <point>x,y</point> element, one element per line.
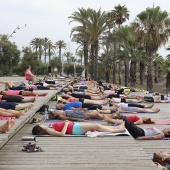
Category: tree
<point>153,27</point>
<point>37,44</point>
<point>60,45</point>
<point>80,35</point>
<point>9,55</point>
<point>51,48</point>
<point>45,46</point>
<point>118,16</point>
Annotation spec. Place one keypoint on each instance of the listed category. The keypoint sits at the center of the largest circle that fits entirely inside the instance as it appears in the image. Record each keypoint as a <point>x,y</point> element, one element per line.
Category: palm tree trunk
<point>155,71</point>
<point>142,69</point>
<point>133,73</point>
<point>92,61</point>
<point>149,72</point>
<point>168,82</point>
<point>126,72</point>
<point>86,58</point>
<point>120,73</point>
<point>96,49</point>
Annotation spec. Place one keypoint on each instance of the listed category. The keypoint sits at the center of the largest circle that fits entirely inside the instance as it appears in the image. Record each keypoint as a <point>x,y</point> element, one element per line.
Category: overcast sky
<point>49,18</point>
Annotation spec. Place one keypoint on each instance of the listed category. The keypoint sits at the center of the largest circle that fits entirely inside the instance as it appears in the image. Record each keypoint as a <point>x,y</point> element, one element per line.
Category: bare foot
<point>22,112</point>
<point>122,127</point>
<point>11,123</point>
<point>107,119</point>
<point>4,127</point>
<point>98,110</point>
<point>156,110</point>
<point>31,105</point>
<point>151,105</point>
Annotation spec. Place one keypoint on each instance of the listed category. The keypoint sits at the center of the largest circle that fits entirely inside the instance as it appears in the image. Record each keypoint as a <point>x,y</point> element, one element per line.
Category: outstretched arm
<point>62,117</point>
<point>156,137</point>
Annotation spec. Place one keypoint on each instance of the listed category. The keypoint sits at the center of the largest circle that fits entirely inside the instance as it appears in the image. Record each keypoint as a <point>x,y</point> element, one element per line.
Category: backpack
<point>42,109</point>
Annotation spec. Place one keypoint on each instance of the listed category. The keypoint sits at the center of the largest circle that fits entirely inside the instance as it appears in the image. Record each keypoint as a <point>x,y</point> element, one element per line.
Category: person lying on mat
<point>81,106</point>
<point>44,84</point>
<point>85,96</point>
<point>12,113</point>
<point>123,108</point>
<point>74,128</point>
<point>15,106</point>
<point>17,99</point>
<point>90,91</point>
<point>117,118</point>
<point>39,87</point>
<point>147,133</point>
<point>21,93</point>
<point>150,99</point>
<point>68,98</point>
<point>11,86</point>
<point>162,157</point>
<point>77,115</point>
<point>7,126</point>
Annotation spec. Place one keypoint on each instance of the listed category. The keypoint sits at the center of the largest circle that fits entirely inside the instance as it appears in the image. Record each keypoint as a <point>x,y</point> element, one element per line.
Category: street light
<point>17,28</point>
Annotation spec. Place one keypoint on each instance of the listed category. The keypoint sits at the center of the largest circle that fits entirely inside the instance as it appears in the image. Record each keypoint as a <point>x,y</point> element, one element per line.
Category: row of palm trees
<point>108,44</point>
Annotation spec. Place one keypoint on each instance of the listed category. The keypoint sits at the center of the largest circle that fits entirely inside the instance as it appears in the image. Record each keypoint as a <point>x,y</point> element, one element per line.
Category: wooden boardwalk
<point>74,153</point>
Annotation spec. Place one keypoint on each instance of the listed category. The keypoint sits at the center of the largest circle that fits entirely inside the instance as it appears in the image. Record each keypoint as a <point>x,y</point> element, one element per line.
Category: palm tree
<point>60,45</point>
<point>37,44</point>
<point>45,45</point>
<point>153,26</point>
<point>158,61</point>
<point>51,48</point>
<point>96,25</point>
<point>80,35</point>
<point>119,15</point>
<point>80,54</point>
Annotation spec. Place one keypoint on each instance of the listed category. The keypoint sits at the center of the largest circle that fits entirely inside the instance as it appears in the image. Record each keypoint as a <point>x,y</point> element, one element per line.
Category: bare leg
<point>89,126</point>
<point>104,111</point>
<point>11,123</point>
<point>148,110</point>
<point>23,106</point>
<point>28,93</point>
<point>28,99</point>
<point>4,127</point>
<point>149,106</point>
<point>13,113</point>
<point>109,120</point>
<point>95,115</point>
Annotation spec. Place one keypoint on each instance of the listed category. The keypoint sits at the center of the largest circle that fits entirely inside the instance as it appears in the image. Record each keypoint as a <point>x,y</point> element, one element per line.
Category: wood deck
<point>118,153</point>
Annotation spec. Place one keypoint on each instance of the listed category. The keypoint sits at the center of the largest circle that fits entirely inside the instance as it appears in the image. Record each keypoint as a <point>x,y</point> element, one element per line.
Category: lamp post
<point>17,28</point>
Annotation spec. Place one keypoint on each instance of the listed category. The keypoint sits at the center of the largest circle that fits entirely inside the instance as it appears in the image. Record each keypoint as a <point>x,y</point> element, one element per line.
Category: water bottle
<point>46,114</point>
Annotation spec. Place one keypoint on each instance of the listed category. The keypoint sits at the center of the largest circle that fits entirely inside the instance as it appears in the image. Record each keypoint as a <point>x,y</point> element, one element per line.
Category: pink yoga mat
<point>5,118</point>
<point>163,122</point>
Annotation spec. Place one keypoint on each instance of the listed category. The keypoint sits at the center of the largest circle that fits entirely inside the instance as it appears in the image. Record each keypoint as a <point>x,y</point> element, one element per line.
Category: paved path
<point>76,153</point>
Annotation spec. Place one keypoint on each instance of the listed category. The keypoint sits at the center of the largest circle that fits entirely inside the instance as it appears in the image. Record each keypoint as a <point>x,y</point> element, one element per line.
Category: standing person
<point>29,75</point>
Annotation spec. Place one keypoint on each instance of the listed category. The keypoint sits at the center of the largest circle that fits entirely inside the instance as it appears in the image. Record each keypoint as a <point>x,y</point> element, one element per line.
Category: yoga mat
<point>138,112</point>
<point>5,118</point>
<point>163,122</point>
<point>166,138</point>
<point>101,134</point>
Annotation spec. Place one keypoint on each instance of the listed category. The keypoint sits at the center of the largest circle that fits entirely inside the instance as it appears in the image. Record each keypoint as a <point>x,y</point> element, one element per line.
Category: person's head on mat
<point>74,128</point>
<point>147,120</point>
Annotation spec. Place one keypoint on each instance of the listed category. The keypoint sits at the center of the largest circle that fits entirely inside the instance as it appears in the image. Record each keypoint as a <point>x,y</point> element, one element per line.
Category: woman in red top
<point>74,128</point>
<point>29,75</point>
<point>131,118</point>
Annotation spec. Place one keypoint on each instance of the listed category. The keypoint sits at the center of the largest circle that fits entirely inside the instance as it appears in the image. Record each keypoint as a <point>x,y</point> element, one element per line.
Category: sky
<point>49,18</point>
